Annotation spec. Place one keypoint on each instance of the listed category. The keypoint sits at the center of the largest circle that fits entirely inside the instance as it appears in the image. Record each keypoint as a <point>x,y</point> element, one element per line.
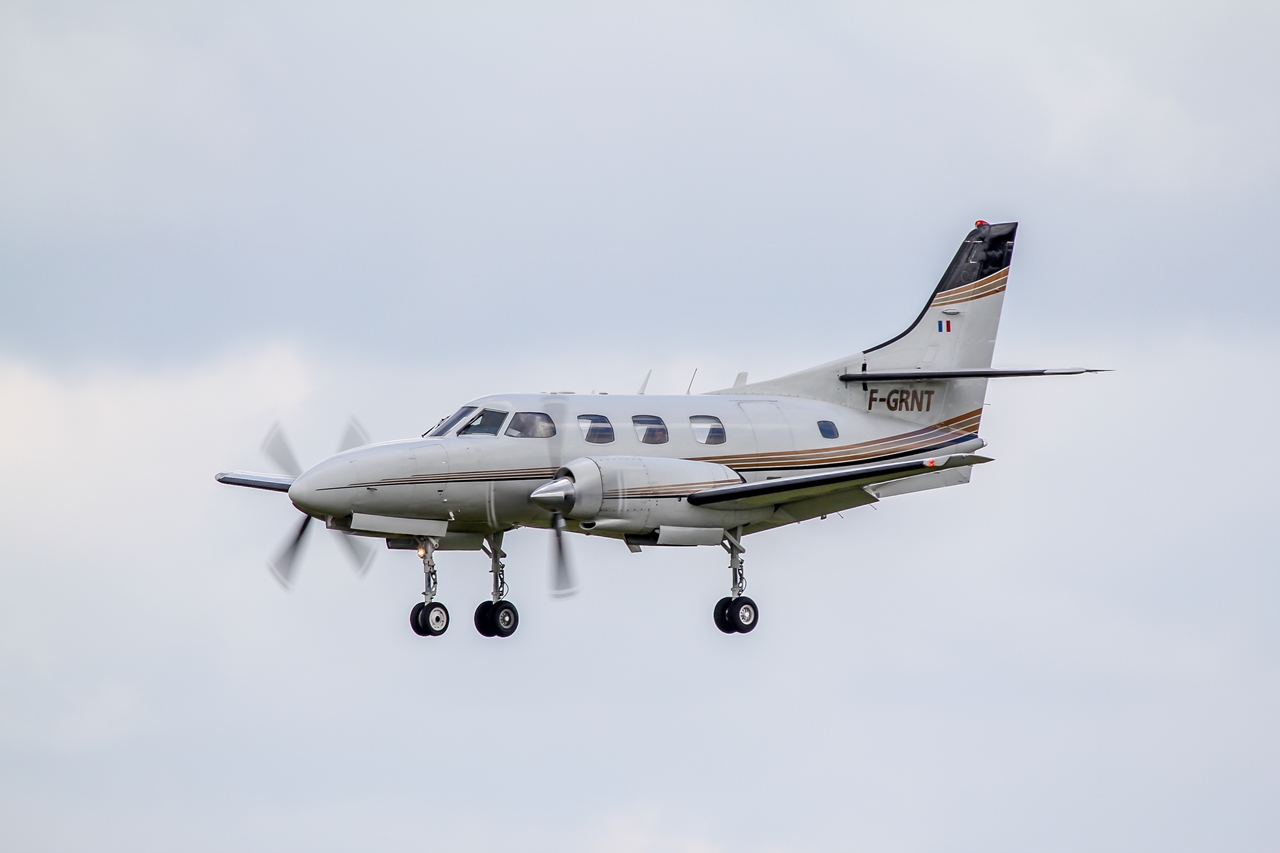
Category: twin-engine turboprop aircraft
<point>688,470</point>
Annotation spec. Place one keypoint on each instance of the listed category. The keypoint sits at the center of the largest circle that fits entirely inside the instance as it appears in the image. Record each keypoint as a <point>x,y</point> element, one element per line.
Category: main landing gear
<point>735,613</point>
<point>494,618</point>
<point>428,618</point>
<point>497,617</point>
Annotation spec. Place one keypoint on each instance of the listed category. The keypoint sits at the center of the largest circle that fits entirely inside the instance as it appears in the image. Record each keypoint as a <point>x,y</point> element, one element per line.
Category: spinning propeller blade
<point>355,436</point>
<point>276,446</point>
<point>562,584</point>
<point>361,553</point>
<point>282,566</point>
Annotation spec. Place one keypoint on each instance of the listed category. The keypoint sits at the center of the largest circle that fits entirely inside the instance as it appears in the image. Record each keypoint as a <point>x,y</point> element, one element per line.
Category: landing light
<point>422,552</point>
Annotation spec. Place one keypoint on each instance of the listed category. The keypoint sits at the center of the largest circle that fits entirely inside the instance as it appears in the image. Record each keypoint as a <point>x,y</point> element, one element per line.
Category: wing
<point>834,484</point>
<point>270,482</point>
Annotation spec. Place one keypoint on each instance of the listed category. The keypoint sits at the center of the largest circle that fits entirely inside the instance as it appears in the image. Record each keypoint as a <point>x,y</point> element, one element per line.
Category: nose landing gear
<point>428,618</point>
<point>735,613</point>
<point>497,617</point>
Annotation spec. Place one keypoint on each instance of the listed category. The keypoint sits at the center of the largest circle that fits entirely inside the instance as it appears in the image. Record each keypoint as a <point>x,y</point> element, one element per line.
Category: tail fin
<point>956,330</point>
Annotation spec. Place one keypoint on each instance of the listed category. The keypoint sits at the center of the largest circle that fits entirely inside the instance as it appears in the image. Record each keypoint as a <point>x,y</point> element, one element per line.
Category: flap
<point>785,490</point>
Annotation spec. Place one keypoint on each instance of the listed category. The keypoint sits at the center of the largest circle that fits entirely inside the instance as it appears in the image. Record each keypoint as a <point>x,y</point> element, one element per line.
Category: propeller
<point>277,449</point>
<point>562,583</point>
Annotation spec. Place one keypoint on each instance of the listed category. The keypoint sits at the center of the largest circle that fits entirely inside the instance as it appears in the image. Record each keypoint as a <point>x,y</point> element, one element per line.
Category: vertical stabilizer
<point>956,330</point>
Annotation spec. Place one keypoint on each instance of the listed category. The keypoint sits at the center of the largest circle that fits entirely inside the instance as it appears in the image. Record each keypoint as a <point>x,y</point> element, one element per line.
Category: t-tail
<point>935,372</point>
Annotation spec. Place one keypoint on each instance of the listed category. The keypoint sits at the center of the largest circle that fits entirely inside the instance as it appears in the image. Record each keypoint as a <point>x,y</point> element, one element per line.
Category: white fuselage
<point>482,483</point>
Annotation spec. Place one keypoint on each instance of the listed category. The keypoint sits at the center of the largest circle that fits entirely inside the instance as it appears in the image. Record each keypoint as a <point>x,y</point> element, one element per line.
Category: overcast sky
<point>217,216</point>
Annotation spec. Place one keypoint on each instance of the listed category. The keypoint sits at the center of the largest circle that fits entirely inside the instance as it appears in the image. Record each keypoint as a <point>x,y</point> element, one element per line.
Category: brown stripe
<point>968,297</point>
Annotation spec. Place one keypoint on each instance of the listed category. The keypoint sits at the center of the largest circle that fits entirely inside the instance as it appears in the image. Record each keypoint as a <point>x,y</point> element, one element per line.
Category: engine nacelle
<point>634,494</point>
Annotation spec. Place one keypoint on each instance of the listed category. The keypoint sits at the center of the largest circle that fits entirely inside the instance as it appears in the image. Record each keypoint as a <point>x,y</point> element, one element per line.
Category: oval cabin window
<point>828,429</point>
<point>596,429</point>
<point>707,429</point>
<point>650,429</point>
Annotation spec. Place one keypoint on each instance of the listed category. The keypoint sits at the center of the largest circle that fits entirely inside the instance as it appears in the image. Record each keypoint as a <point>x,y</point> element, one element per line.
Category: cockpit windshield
<point>451,422</point>
<point>488,422</point>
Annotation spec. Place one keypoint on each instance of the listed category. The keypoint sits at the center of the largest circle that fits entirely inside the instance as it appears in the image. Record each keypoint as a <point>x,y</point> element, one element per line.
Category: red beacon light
<point>980,223</point>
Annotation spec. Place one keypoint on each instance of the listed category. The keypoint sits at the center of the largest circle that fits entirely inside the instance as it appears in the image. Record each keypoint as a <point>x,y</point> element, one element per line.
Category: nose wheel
<point>428,618</point>
<point>736,613</point>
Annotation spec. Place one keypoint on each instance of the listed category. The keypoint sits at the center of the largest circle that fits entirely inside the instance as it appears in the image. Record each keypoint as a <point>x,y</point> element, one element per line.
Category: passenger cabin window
<point>452,421</point>
<point>596,429</point>
<point>828,429</point>
<point>488,422</point>
<point>650,429</point>
<point>707,429</point>
<point>531,425</point>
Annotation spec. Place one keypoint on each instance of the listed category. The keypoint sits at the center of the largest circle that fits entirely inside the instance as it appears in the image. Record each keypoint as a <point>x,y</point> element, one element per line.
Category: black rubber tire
<point>504,618</point>
<point>743,614</point>
<point>721,615</point>
<point>484,619</point>
<point>413,619</point>
<point>436,613</point>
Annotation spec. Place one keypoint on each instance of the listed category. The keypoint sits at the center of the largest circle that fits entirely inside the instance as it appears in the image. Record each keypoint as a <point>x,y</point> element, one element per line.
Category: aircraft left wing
<point>270,482</point>
<point>786,490</point>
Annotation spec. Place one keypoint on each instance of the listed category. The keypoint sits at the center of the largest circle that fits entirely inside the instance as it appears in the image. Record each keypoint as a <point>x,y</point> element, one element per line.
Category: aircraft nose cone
<point>556,496</point>
<point>319,490</point>
<point>303,491</point>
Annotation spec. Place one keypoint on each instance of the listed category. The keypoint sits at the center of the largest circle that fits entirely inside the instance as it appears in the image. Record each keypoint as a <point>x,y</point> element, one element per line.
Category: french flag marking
<point>948,325</point>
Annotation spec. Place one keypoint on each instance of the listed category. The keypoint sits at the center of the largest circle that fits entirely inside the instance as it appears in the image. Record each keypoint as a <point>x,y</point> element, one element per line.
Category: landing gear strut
<point>429,618</point>
<point>497,617</point>
<point>735,613</point>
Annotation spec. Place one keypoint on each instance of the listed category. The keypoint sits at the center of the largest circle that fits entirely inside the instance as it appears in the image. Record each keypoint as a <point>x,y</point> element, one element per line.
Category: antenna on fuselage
<point>741,380</point>
<point>645,383</point>
<point>691,378</point>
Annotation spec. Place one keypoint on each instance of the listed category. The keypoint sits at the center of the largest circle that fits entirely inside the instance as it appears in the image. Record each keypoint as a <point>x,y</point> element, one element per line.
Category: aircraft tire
<point>434,619</point>
<point>504,619</point>
<point>743,614</point>
<point>721,615</point>
<point>484,619</point>
<point>413,620</point>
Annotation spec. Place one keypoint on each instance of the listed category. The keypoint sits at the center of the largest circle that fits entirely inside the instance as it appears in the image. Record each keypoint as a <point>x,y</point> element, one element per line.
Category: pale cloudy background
<point>216,216</point>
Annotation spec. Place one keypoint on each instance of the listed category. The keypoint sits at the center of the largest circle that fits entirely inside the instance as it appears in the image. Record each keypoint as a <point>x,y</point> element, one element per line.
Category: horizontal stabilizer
<point>790,489</point>
<point>941,375</point>
<point>270,482</point>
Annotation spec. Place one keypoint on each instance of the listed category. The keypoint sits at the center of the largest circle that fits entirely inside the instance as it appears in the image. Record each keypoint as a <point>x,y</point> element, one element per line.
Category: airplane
<point>674,470</point>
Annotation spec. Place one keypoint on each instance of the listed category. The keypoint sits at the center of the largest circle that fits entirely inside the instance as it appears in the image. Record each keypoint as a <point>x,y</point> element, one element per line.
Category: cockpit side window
<point>452,421</point>
<point>707,429</point>
<point>650,429</point>
<point>531,425</point>
<point>596,429</point>
<point>488,422</point>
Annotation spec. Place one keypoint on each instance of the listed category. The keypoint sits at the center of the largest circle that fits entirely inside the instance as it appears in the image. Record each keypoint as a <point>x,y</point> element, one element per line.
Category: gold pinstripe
<point>993,283</point>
